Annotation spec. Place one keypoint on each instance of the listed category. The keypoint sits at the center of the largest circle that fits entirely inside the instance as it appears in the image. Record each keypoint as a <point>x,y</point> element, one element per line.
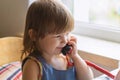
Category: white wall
<point>12,17</point>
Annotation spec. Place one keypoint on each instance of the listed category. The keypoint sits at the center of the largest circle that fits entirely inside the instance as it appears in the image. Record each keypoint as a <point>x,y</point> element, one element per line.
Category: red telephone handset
<point>68,48</point>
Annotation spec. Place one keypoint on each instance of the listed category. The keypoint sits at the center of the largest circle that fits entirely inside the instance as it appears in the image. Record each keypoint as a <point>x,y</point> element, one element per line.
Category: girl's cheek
<point>69,37</point>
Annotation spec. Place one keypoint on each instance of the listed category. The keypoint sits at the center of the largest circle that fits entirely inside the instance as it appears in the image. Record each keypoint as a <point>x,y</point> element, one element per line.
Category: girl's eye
<point>58,36</point>
<point>61,35</point>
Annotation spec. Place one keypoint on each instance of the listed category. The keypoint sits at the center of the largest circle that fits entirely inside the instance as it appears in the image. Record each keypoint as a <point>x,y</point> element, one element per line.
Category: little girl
<point>48,24</point>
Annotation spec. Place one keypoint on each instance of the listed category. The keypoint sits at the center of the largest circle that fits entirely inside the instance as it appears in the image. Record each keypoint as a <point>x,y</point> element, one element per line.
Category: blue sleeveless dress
<point>49,73</point>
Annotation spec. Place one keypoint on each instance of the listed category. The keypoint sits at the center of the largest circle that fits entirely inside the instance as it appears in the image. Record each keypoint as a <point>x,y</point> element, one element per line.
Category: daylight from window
<point>105,12</point>
<point>93,16</point>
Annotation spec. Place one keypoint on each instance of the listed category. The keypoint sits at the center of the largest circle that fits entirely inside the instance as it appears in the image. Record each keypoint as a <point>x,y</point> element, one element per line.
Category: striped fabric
<point>11,71</point>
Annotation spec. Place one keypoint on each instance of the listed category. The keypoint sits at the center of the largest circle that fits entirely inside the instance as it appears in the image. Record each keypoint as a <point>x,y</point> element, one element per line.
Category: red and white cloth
<point>11,71</point>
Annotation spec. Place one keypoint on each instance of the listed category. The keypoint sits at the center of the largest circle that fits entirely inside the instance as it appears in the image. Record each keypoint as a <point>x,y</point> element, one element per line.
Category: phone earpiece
<point>66,49</point>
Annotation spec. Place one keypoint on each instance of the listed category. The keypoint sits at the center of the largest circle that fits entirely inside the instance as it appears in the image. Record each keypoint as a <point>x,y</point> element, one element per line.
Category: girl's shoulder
<point>30,70</point>
<point>30,64</point>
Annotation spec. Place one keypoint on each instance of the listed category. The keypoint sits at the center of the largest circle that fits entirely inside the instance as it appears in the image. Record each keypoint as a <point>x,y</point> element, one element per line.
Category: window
<point>31,1</point>
<point>96,18</point>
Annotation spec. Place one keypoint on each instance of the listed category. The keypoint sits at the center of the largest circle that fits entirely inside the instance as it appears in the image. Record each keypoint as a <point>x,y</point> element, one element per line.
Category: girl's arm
<point>30,70</point>
<point>117,76</point>
<point>83,71</point>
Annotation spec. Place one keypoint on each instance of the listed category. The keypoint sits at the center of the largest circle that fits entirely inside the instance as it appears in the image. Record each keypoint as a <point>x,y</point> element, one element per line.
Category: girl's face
<point>52,44</point>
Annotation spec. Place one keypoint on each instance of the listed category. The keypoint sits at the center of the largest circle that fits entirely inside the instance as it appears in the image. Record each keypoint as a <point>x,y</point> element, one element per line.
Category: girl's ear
<point>32,34</point>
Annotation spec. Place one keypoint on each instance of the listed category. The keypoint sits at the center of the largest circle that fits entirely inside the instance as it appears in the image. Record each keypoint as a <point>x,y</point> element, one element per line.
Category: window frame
<point>97,31</point>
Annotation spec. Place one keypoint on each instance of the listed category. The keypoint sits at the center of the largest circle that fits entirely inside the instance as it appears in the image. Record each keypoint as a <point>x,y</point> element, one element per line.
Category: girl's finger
<point>72,38</point>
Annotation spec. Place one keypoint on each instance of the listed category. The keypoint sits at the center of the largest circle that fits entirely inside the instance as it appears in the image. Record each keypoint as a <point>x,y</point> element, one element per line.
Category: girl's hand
<point>117,76</point>
<point>73,43</point>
